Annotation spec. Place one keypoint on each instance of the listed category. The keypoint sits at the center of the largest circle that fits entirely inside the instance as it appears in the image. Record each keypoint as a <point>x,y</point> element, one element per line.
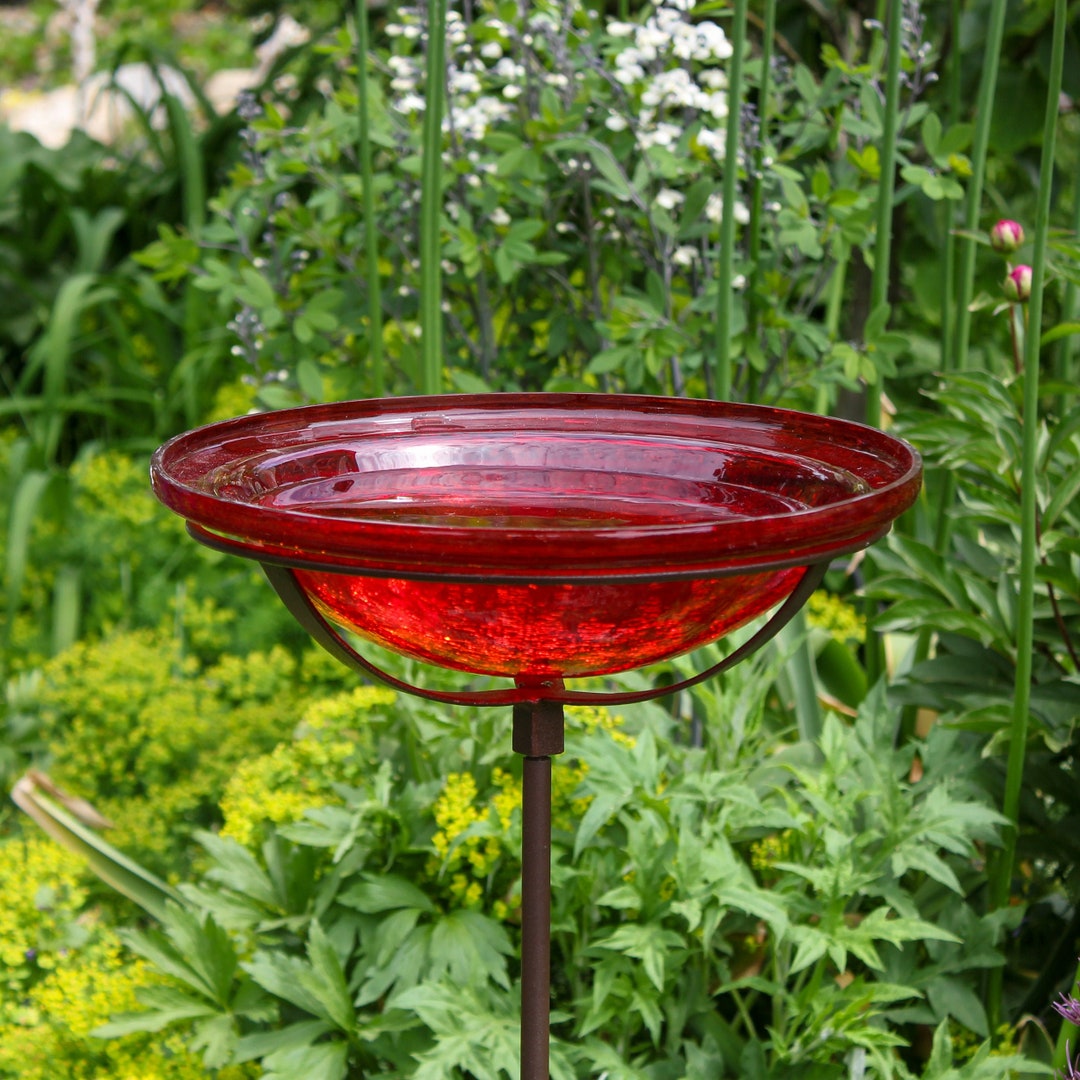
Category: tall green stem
<point>984,111</point>
<point>879,283</point>
<point>1066,1038</point>
<point>757,199</point>
<point>1002,871</point>
<point>371,240</point>
<point>431,202</point>
<point>1070,306</point>
<point>725,269</point>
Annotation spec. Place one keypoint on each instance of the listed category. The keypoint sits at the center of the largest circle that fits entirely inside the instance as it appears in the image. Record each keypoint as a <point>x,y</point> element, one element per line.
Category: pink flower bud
<point>1006,237</point>
<point>1017,285</point>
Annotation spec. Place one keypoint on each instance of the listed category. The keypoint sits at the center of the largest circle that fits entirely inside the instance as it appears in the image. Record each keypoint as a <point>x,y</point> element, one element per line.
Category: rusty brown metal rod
<point>538,735</point>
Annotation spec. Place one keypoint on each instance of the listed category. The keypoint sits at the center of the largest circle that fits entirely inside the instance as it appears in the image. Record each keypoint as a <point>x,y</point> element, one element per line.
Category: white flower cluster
<point>670,61</point>
<point>471,112</point>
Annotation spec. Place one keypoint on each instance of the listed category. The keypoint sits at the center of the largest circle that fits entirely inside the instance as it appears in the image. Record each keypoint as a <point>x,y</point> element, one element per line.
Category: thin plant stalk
<point>431,337</point>
<point>1001,874</point>
<point>957,360</point>
<point>725,268</point>
<point>1065,349</point>
<point>757,199</point>
<point>364,154</point>
<point>801,665</point>
<point>879,282</point>
<point>948,319</point>
<point>1066,1038</point>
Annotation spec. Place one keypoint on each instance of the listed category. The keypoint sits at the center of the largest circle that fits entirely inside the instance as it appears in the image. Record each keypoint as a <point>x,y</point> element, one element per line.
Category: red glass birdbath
<point>538,537</point>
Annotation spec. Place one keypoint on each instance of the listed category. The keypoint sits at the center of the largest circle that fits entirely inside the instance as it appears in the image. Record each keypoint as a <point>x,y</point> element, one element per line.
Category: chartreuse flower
<point>63,973</point>
<point>332,747</point>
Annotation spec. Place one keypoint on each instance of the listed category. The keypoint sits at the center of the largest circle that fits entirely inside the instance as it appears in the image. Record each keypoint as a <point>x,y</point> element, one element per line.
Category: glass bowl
<point>539,535</point>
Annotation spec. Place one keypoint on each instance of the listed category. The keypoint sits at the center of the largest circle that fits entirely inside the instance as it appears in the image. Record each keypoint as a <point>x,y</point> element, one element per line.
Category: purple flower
<point>1006,236</point>
<point>1017,284</point>
<point>1069,1008</point>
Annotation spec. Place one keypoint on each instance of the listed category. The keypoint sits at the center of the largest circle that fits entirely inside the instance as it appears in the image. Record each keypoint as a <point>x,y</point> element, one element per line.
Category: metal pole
<point>538,734</point>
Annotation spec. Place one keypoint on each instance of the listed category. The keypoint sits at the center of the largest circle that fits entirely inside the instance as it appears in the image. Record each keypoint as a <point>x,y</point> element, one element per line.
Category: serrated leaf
<point>288,978</point>
<point>205,947</point>
<point>470,947</point>
<point>293,1037</point>
<point>327,980</point>
<point>325,1061</point>
<point>164,1005</point>
<point>376,894</point>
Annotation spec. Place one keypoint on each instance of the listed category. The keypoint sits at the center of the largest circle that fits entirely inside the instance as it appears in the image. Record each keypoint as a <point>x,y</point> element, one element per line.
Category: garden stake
<point>1003,865</point>
<point>538,735</point>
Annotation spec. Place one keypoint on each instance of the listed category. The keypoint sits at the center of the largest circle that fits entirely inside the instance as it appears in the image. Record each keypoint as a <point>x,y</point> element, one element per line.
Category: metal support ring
<point>284,581</point>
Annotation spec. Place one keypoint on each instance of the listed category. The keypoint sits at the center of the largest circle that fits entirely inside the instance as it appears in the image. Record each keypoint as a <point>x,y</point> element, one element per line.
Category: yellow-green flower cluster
<point>769,850</point>
<point>837,617</point>
<point>47,1034</point>
<point>592,718</point>
<point>332,747</point>
<point>469,861</point>
<point>43,890</point>
<point>150,738</point>
<point>63,974</point>
<point>234,398</point>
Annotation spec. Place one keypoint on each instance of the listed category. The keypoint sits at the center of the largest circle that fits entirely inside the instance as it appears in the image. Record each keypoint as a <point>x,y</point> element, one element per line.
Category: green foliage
<point>63,971</point>
<point>734,904</point>
<point>584,257</point>
<point>709,906</point>
<point>151,737</point>
<point>969,593</point>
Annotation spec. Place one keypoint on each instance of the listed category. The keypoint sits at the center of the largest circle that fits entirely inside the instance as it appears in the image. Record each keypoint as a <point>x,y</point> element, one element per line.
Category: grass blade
<point>111,865</point>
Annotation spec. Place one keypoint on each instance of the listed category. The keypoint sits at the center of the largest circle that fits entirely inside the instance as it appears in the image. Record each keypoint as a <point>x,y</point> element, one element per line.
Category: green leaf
<point>293,1037</point>
<point>1064,497</point>
<point>257,291</point>
<point>205,947</point>
<point>876,322</point>
<point>931,134</point>
<point>111,865</point>
<point>237,869</point>
<point>309,379</point>
<point>471,948</point>
<point>953,997</point>
<point>288,978</point>
<point>376,894</point>
<point>609,168</point>
<point>649,943</point>
<point>165,1005</point>
<point>215,1037</point>
<point>1056,333</point>
<point>608,360</point>
<point>325,1061</point>
<point>328,981</point>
